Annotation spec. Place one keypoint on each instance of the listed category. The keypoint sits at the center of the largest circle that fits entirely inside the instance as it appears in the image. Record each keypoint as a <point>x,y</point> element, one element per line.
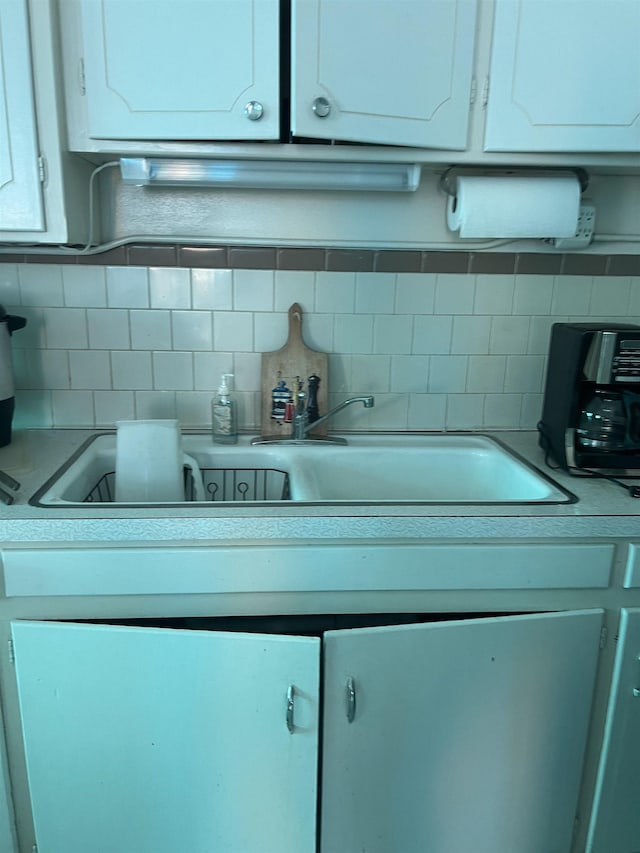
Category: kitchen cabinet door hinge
<point>34,849</point>
<point>474,90</point>
<point>12,657</point>
<point>82,82</point>
<point>604,636</point>
<point>42,169</point>
<point>485,92</point>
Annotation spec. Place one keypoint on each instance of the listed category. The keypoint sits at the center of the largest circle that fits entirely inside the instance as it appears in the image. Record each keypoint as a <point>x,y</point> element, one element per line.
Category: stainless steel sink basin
<point>373,469</point>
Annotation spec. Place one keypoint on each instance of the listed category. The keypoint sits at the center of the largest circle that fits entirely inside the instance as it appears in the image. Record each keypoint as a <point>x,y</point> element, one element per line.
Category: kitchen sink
<point>429,468</point>
<point>442,469</point>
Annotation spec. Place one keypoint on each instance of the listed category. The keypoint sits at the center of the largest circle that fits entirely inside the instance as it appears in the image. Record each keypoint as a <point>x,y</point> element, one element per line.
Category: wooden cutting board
<point>293,359</point>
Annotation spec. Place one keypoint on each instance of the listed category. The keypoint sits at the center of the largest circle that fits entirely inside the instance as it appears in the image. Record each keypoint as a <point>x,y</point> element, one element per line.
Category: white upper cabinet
<point>395,71</point>
<point>21,207</point>
<point>565,76</point>
<point>197,69</point>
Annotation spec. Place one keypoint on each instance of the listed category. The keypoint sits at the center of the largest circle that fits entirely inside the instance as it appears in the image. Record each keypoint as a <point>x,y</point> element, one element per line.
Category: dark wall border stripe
<point>343,260</point>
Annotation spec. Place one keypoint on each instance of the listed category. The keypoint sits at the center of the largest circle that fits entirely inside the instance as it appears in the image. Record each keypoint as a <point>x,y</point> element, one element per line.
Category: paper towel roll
<point>514,206</point>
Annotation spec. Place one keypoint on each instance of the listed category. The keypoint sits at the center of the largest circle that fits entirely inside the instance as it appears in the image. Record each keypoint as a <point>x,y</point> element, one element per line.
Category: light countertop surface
<point>603,509</point>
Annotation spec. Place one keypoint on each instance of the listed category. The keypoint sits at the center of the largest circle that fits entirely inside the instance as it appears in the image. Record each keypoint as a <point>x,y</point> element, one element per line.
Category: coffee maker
<point>591,407</point>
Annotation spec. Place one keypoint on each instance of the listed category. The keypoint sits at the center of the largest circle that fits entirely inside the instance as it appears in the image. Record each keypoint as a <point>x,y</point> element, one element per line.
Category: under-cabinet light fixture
<point>270,174</point>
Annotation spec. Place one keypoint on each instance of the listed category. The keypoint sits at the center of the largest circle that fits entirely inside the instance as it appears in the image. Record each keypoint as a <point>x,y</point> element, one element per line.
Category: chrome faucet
<point>301,425</point>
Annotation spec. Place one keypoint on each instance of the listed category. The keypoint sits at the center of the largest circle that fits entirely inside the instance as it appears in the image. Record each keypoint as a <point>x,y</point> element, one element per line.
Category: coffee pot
<point>9,323</point>
<point>591,406</point>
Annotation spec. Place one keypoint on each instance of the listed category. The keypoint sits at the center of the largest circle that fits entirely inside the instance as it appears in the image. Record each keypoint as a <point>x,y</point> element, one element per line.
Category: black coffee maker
<point>591,408</point>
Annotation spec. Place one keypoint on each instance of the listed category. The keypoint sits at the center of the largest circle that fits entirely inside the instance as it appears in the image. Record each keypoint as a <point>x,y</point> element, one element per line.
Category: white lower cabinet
<point>615,822</point>
<point>8,841</point>
<point>466,735</point>
<point>157,741</point>
<point>442,735</point>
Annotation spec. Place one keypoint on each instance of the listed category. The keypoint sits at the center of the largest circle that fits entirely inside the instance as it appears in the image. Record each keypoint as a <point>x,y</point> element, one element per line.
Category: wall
<point>367,219</point>
<point>444,340</point>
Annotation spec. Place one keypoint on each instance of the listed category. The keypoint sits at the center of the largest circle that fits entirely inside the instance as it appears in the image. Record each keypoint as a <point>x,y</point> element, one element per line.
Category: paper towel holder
<point>447,179</point>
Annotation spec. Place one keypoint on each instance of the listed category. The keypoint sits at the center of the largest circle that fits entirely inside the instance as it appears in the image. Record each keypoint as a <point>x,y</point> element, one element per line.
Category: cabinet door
<point>615,822</point>
<point>394,71</point>
<point>7,828</point>
<point>465,735</point>
<point>20,189</point>
<point>157,741</point>
<point>565,76</point>
<point>162,69</point>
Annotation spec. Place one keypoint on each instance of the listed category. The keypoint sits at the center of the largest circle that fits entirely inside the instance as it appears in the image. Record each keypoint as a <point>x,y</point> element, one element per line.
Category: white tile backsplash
<point>70,408</point>
<point>572,294</point>
<point>610,297</point>
<point>486,373</point>
<point>66,328</point>
<point>353,333</point>
<point>192,330</point>
<point>294,286</point>
<point>211,290</point>
<point>494,294</point>
<point>455,293</point>
<point>131,370</point>
<point>169,287</point>
<point>335,292</point>
<point>84,287</point>
<point>208,367</point>
<point>415,293</point>
<point>392,334</point>
<point>471,335</point>
<point>150,329</point>
<point>172,371</point>
<point>509,335</point>
<point>127,287</point>
<point>112,406</point>
<point>40,285</point>
<point>409,374</point>
<point>533,294</point>
<point>375,293</point>
<point>427,411</point>
<point>90,369</point>
<point>109,328</point>
<point>233,331</point>
<point>432,335</point>
<point>439,351</point>
<point>253,290</point>
<point>9,285</point>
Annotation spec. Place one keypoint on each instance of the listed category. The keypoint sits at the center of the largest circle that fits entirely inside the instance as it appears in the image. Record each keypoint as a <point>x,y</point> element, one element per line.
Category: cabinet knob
<point>321,107</point>
<point>254,110</point>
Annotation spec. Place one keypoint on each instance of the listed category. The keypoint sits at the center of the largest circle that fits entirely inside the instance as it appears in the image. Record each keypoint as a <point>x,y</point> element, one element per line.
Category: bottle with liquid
<point>224,419</point>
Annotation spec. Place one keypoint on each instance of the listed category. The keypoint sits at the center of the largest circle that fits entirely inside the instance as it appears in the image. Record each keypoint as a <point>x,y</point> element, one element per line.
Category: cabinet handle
<point>254,110</point>
<point>351,699</point>
<point>290,695</point>
<point>321,107</point>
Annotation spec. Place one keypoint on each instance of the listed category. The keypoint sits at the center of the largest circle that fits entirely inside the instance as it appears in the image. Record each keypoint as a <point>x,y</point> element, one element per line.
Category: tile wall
<point>440,348</point>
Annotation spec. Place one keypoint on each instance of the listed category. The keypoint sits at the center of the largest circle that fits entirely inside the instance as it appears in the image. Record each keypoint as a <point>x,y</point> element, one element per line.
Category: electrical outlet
<point>584,230</point>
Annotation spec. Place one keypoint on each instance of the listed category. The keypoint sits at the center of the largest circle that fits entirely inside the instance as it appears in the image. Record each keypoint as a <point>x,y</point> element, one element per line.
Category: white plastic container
<point>150,463</point>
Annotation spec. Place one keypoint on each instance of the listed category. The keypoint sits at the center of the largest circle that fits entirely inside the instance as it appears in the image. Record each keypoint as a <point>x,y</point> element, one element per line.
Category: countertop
<point>602,509</point>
